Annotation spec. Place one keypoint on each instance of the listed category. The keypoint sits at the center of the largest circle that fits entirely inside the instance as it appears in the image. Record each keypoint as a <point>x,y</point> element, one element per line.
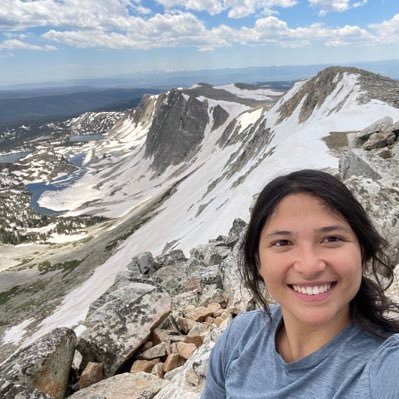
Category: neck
<point>295,341</point>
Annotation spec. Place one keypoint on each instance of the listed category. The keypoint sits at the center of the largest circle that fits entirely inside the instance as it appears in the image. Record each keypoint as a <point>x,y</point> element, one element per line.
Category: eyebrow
<point>325,229</point>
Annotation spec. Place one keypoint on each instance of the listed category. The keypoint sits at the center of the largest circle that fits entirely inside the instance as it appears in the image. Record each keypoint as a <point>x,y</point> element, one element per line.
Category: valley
<point>83,197</point>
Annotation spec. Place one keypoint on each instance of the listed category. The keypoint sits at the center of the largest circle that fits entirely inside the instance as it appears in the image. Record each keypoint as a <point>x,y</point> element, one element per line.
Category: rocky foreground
<point>150,337</point>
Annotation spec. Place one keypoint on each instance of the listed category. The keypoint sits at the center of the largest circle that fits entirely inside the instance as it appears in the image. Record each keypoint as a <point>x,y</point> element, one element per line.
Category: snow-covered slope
<point>240,142</point>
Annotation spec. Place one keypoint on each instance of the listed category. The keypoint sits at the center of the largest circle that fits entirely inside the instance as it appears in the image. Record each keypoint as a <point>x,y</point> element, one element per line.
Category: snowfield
<point>119,178</point>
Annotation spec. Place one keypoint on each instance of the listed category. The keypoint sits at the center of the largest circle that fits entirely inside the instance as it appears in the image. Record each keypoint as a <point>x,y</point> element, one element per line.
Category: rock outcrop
<point>370,168</point>
<point>43,366</point>
<point>113,335</point>
<point>150,335</point>
<point>124,386</point>
<point>177,129</point>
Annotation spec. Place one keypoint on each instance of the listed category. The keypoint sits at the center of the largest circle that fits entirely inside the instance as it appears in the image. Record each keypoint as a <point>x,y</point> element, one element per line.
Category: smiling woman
<point>312,248</point>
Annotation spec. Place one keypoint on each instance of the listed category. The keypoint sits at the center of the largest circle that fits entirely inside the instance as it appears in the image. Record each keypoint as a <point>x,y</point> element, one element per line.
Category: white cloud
<point>16,44</point>
<point>169,30</point>
<point>387,31</point>
<point>235,8</point>
<point>327,6</point>
<point>118,24</point>
<point>18,15</point>
<point>185,29</point>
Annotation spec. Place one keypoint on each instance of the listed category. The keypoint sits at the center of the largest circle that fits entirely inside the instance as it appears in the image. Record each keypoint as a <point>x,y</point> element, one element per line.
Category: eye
<point>281,243</point>
<point>331,239</point>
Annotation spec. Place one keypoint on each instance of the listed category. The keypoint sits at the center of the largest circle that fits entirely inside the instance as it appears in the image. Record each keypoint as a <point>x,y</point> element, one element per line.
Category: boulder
<point>154,352</point>
<point>240,298</point>
<point>158,370</point>
<point>92,374</point>
<point>118,328</point>
<point>185,350</point>
<point>202,312</point>
<point>212,294</point>
<point>173,361</point>
<point>383,124</point>
<point>8,390</point>
<point>123,386</point>
<point>236,232</point>
<point>381,203</point>
<point>357,163</point>
<point>188,382</point>
<point>170,258</point>
<point>43,365</point>
<point>379,140</point>
<point>143,263</point>
<point>143,365</point>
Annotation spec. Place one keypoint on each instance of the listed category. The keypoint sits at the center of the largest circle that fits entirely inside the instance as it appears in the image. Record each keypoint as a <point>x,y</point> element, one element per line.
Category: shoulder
<point>254,320</point>
<point>384,370</point>
<point>249,326</point>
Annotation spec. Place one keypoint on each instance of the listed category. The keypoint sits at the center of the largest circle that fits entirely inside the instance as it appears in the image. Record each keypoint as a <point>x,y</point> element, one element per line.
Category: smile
<point>314,290</point>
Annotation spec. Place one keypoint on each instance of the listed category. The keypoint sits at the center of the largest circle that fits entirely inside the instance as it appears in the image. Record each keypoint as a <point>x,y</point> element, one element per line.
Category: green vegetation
<point>67,266</point>
<point>5,296</point>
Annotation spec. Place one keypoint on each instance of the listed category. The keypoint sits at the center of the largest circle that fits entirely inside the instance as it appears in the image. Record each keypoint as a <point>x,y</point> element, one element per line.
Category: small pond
<point>13,156</point>
<point>85,137</point>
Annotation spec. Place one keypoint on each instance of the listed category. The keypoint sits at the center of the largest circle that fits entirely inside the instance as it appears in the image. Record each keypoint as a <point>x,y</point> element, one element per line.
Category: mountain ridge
<point>236,150</point>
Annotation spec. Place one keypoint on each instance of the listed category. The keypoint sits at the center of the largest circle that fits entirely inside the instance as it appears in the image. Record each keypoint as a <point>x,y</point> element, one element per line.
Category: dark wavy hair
<point>370,306</point>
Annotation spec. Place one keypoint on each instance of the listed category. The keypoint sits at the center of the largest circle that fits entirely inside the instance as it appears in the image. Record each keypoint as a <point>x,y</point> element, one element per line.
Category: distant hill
<point>21,107</point>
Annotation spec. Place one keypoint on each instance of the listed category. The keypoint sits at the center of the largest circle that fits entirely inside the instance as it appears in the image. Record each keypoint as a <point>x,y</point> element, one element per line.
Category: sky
<point>57,40</point>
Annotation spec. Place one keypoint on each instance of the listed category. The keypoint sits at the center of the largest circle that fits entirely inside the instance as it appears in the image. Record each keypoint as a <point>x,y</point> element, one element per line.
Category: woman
<point>312,248</point>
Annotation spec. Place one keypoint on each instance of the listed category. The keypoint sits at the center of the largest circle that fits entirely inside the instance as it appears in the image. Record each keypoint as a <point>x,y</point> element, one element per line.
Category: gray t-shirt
<point>244,364</point>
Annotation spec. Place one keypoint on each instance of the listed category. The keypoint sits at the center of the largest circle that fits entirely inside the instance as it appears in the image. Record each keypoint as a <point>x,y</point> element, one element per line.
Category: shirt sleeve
<point>384,371</point>
<point>215,376</point>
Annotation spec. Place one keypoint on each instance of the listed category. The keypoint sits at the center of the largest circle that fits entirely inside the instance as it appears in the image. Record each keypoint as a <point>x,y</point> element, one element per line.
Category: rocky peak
<point>314,92</point>
<point>142,114</point>
<point>177,129</point>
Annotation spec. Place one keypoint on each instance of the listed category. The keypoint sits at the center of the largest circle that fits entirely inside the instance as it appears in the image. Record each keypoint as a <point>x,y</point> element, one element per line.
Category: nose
<point>308,261</point>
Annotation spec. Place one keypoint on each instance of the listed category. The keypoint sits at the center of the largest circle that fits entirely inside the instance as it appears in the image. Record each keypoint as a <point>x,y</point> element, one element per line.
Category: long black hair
<point>370,308</point>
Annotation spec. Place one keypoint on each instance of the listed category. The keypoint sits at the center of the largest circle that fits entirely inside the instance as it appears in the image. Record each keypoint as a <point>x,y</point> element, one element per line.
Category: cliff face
<point>177,129</point>
<point>173,174</point>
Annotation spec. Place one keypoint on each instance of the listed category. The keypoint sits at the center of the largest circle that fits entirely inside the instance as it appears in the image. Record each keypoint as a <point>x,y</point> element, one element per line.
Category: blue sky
<point>55,40</point>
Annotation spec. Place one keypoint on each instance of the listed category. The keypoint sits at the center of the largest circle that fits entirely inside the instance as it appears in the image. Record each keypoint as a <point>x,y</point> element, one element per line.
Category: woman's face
<point>310,260</point>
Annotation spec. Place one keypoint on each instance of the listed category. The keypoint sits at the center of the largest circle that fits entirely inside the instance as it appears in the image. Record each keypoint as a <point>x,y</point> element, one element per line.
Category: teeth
<point>312,290</point>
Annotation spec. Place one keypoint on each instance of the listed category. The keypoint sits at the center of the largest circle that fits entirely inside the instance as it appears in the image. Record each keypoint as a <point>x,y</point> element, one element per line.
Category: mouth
<point>313,289</point>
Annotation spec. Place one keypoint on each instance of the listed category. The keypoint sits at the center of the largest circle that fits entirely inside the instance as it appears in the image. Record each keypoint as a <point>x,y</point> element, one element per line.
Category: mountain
<point>173,173</point>
<point>18,106</point>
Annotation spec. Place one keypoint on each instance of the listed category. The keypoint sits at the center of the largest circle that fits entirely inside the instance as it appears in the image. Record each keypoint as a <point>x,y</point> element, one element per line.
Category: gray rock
<point>213,294</point>
<point>240,298</point>
<point>172,373</point>
<point>121,292</point>
<point>236,232</point>
<point>185,300</point>
<point>170,258</point>
<point>177,129</point>
<point>123,386</point>
<point>381,203</point>
<point>143,263</point>
<point>8,390</point>
<point>356,163</point>
<point>188,381</point>
<point>383,124</point>
<point>209,275</point>
<point>220,116</point>
<point>154,352</point>
<point>44,365</point>
<point>215,254</point>
<point>119,327</point>
<point>379,140</point>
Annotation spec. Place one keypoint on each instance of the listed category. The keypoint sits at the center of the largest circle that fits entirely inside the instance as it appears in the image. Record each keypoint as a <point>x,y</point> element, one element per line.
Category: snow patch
<point>14,335</point>
<point>260,94</point>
